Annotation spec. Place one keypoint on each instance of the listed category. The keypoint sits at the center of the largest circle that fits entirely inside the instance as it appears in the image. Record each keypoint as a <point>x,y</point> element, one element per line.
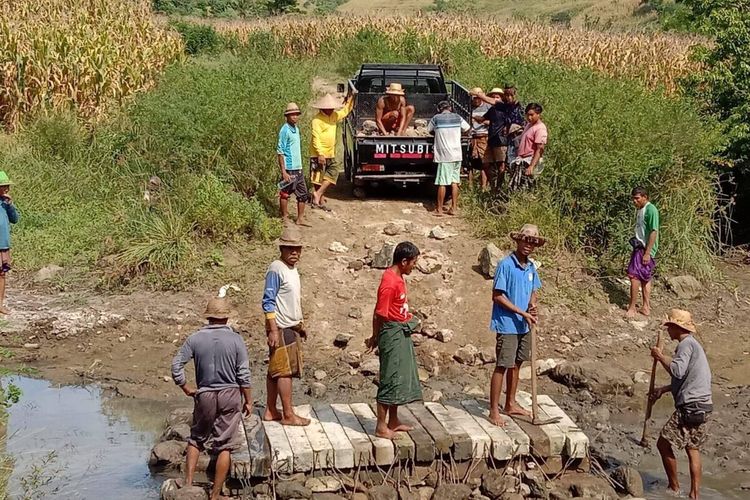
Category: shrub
<point>198,38</point>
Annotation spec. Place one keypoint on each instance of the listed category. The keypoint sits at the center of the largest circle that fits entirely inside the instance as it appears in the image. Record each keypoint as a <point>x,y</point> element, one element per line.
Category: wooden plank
<point>503,447</point>
<point>343,451</point>
<point>405,447</point>
<point>481,443</point>
<point>576,442</point>
<point>282,457</point>
<point>442,440</point>
<point>384,450</point>
<point>424,448</point>
<point>462,445</point>
<point>553,431</point>
<point>323,456</point>
<point>362,445</point>
<point>521,440</point>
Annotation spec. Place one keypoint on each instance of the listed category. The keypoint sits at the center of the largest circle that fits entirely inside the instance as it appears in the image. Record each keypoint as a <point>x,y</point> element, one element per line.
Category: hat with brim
<point>217,308</point>
<point>681,318</point>
<point>327,102</point>
<point>394,89</point>
<point>495,91</point>
<point>290,237</point>
<point>4,179</point>
<point>292,109</point>
<point>530,234</point>
<point>475,91</point>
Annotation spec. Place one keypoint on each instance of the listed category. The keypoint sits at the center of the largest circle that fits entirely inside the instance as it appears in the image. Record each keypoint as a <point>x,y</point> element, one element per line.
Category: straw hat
<point>327,102</point>
<point>395,89</point>
<point>528,233</point>
<point>290,237</point>
<point>217,308</point>
<point>680,318</point>
<point>292,109</point>
<point>496,90</point>
<point>4,179</point>
<point>475,91</point>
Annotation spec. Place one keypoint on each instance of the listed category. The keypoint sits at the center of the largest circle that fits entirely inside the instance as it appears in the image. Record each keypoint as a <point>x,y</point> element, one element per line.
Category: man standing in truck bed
<point>392,114</point>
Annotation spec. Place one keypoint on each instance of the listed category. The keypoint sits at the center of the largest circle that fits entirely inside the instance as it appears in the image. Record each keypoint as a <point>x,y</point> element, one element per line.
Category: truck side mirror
<point>340,88</point>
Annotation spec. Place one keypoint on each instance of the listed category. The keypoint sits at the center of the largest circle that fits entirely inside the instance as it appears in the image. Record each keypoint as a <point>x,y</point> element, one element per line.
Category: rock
<point>47,273</point>
<point>598,416</point>
<point>639,325</point>
<point>588,486</point>
<point>325,496</point>
<point>487,356</point>
<point>262,489</point>
<point>317,389</point>
<point>745,486</point>
<point>429,329</point>
<point>524,489</point>
<point>488,258</point>
<point>425,493</point>
<point>320,375</point>
<point>592,375</point>
<point>543,366</point>
<point>536,482</point>
<point>356,265</point>
<point>355,313</point>
<point>337,247</point>
<point>370,366</point>
<point>438,233</point>
<point>495,483</point>
<point>444,335</point>
<point>179,432</point>
<point>122,339</point>
<point>452,492</point>
<point>423,374</point>
<point>353,358</point>
<point>432,395</point>
<point>286,490</point>
<point>685,287</point>
<point>170,491</point>
<point>429,263</point>
<point>418,339</point>
<point>405,494</point>
<point>167,453</point>
<point>31,346</point>
<point>466,355</point>
<point>391,229</point>
<point>561,494</point>
<point>641,378</point>
<point>564,339</point>
<point>629,481</point>
<point>182,415</point>
<point>511,496</point>
<point>384,257</point>
<point>342,339</point>
<point>382,492</point>
<point>323,484</point>
<point>473,391</point>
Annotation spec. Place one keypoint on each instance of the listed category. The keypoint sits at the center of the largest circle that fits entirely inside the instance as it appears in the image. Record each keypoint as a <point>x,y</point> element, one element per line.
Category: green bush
<point>198,38</point>
<point>211,8</point>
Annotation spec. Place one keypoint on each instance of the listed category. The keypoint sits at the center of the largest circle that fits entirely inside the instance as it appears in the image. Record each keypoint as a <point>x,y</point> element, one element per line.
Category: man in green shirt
<point>645,244</point>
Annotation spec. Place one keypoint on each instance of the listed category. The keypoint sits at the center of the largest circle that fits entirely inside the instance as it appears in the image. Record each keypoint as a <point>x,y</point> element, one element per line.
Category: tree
<point>278,7</point>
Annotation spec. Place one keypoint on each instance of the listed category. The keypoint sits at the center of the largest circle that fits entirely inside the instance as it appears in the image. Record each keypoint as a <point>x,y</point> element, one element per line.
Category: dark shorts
<point>511,349</point>
<point>684,436</point>
<point>329,173</point>
<point>637,270</point>
<point>298,187</point>
<point>216,415</point>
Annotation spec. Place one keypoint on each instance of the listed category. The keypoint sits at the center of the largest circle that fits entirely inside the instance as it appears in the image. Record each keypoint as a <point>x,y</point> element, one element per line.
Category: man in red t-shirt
<point>392,326</point>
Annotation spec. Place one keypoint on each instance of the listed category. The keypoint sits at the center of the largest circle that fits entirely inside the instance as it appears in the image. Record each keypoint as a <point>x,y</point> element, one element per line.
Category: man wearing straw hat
<point>392,113</point>
<point>324,169</point>
<point>514,310</point>
<point>282,306</point>
<point>8,216</point>
<point>691,390</point>
<point>222,377</point>
<point>479,131</point>
<point>290,161</point>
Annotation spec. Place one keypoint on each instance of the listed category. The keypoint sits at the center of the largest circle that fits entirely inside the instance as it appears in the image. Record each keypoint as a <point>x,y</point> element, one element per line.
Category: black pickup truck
<point>373,158</point>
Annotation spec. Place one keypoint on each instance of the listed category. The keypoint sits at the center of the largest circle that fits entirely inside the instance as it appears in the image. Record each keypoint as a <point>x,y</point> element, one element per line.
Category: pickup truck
<point>370,157</point>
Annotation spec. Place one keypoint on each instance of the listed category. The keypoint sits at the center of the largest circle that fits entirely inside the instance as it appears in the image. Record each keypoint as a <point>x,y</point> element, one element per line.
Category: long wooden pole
<point>534,407</point>
<point>649,403</point>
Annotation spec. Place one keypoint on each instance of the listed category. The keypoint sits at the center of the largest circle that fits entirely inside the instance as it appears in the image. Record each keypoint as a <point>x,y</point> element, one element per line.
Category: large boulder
<point>628,480</point>
<point>286,490</point>
<point>384,257</point>
<point>179,432</point>
<point>182,415</point>
<point>495,483</point>
<point>170,490</point>
<point>488,259</point>
<point>685,287</point>
<point>323,484</point>
<point>382,492</point>
<point>452,492</point>
<point>167,454</point>
<point>587,486</point>
<point>593,376</point>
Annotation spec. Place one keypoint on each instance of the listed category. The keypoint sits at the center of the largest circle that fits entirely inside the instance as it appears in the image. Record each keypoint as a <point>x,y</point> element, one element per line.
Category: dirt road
<point>126,341</point>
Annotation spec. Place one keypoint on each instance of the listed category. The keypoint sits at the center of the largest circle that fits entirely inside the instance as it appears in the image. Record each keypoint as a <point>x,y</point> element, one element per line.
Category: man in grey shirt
<point>222,375</point>
<point>691,389</point>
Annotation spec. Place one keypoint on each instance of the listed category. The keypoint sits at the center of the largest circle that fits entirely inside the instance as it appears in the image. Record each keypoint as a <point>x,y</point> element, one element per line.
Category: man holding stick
<point>691,390</point>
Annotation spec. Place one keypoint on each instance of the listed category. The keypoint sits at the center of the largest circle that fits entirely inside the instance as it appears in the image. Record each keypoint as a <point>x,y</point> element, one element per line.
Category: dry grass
<point>657,59</point>
<point>82,55</point>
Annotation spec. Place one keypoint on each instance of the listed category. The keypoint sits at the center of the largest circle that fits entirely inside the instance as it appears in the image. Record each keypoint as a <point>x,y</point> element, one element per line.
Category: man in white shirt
<point>447,128</point>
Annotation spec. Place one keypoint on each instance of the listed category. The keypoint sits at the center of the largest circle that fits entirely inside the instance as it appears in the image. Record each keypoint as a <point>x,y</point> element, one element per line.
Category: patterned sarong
<point>637,269</point>
<point>399,381</point>
<point>286,359</point>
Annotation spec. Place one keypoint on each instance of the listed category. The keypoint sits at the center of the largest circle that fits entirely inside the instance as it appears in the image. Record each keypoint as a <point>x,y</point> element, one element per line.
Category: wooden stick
<point>534,407</point>
<point>649,403</point>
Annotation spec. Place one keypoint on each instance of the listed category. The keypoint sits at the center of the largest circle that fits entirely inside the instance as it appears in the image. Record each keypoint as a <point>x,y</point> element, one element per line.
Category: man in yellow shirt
<point>324,170</point>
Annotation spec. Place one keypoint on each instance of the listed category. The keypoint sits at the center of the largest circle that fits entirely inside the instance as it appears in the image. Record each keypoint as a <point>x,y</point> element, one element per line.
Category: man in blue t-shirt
<point>514,310</point>
<point>290,162</point>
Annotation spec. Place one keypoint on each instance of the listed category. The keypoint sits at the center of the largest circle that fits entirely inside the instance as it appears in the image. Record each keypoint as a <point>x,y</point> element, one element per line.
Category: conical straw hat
<point>327,102</point>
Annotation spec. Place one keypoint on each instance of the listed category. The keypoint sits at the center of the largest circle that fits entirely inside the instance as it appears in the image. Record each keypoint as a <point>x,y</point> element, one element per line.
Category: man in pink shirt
<point>528,162</point>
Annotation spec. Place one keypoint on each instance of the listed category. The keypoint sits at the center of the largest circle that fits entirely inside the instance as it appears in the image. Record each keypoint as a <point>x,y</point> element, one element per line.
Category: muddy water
<point>76,442</point>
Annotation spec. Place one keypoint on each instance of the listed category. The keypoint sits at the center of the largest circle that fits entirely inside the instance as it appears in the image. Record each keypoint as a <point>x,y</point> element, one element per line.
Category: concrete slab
<point>576,442</point>
<point>343,451</point>
<point>442,440</point>
<point>282,457</point>
<point>554,433</point>
<point>462,444</point>
<point>424,448</point>
<point>384,450</point>
<point>521,440</point>
<point>363,449</point>
<point>323,455</point>
<point>503,447</point>
<point>481,443</point>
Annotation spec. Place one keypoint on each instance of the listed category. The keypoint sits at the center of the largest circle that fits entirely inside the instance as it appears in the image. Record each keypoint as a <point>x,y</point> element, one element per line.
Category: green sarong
<point>399,381</point>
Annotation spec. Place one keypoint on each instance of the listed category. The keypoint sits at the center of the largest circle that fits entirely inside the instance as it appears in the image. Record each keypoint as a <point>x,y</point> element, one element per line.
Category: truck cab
<point>370,157</point>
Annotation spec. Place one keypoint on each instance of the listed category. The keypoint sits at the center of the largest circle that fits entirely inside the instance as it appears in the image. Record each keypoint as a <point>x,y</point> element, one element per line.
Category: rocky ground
<point>596,363</point>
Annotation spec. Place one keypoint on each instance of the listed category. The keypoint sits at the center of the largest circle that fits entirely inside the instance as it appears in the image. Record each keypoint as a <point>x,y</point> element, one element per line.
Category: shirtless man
<point>392,114</point>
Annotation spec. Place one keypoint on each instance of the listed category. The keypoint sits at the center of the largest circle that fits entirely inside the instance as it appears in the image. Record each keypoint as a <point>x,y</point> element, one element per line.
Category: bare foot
<point>630,313</point>
<point>496,419</point>
<point>295,421</point>
<point>397,426</point>
<point>384,432</point>
<point>515,409</point>
<point>271,414</point>
<point>452,211</point>
<point>646,311</point>
<point>4,311</point>
<point>437,213</point>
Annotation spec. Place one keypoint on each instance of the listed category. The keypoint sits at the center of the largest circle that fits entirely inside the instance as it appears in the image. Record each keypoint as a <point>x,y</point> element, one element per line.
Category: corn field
<point>658,59</point>
<point>81,55</point>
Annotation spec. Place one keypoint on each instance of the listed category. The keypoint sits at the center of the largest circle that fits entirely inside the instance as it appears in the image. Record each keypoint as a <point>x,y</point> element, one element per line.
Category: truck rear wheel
<point>359,192</point>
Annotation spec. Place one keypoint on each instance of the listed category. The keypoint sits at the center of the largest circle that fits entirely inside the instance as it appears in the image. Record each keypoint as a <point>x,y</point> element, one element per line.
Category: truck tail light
<point>369,167</point>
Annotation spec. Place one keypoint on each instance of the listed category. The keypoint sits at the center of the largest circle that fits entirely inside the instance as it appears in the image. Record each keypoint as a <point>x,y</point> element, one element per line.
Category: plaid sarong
<point>286,359</point>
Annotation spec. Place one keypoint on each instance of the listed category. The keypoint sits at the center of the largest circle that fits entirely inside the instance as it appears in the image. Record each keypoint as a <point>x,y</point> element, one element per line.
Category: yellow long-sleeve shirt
<point>323,128</point>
